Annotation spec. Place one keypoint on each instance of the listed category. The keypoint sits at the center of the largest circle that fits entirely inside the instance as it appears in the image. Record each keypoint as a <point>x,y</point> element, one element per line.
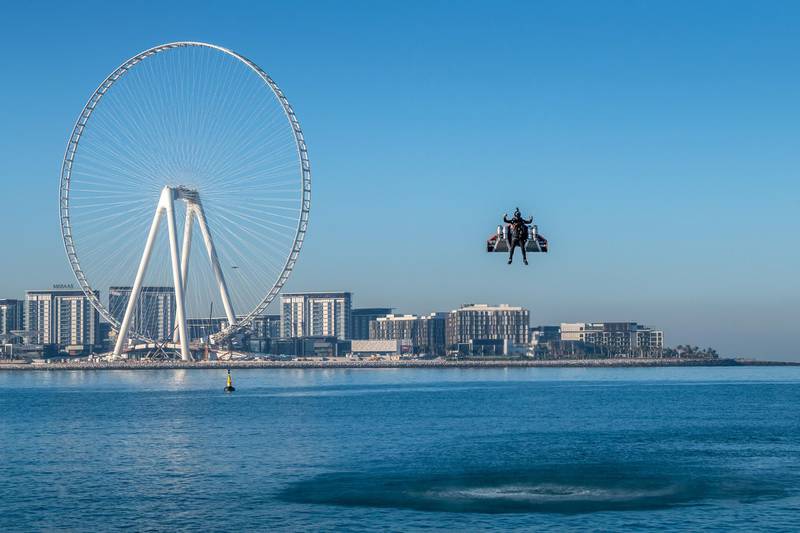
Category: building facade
<point>380,347</point>
<point>490,348</point>
<point>316,314</point>
<point>259,334</point>
<point>153,314</point>
<point>261,326</point>
<point>650,341</point>
<point>427,333</point>
<point>266,326</point>
<point>541,334</point>
<point>310,347</point>
<point>64,317</point>
<point>202,328</point>
<point>616,339</point>
<point>12,318</point>
<point>473,322</point>
<point>362,318</point>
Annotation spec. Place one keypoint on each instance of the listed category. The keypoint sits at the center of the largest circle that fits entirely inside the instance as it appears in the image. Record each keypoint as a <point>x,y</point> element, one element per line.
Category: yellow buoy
<point>229,386</point>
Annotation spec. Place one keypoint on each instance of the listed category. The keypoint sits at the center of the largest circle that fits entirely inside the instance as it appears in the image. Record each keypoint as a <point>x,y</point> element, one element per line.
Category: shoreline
<point>332,364</point>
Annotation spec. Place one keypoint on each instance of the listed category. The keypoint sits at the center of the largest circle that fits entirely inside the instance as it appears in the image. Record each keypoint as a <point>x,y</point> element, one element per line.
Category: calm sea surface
<point>407,449</point>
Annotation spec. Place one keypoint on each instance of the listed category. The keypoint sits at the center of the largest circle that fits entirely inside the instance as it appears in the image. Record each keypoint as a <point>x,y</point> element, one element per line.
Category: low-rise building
<point>382,347</point>
<point>263,329</point>
<point>323,347</point>
<point>260,327</point>
<point>425,334</point>
<point>473,322</point>
<point>202,328</point>
<point>615,339</point>
<point>490,348</point>
<point>362,317</point>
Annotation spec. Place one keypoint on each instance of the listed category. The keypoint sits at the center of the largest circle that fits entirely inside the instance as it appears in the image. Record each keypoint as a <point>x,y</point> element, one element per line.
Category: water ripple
<point>551,489</point>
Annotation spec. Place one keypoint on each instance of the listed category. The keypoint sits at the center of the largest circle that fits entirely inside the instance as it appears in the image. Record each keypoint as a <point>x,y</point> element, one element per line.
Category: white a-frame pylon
<point>180,270</point>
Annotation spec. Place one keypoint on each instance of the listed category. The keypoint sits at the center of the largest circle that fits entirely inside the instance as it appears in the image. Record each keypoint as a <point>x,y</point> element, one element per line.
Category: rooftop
<point>487,307</point>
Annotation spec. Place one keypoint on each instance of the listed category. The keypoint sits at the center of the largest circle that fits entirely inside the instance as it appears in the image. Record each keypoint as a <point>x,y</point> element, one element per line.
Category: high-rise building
<point>316,314</point>
<point>11,317</point>
<point>426,333</point>
<point>473,322</point>
<point>64,317</point>
<point>362,318</point>
<point>616,338</point>
<point>153,314</point>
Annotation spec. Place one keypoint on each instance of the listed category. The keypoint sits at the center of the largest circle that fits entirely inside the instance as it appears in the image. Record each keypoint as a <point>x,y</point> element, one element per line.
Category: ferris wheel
<point>185,187</point>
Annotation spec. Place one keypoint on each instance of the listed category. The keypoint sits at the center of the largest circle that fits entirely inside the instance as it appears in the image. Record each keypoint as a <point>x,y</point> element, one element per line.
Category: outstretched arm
<point>528,221</point>
<point>505,218</point>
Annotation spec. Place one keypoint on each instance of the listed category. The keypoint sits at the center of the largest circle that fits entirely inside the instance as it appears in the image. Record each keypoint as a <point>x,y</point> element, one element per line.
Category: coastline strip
<point>348,363</point>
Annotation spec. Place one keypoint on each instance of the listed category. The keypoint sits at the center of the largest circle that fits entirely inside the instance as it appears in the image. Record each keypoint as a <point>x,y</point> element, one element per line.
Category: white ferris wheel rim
<point>72,150</point>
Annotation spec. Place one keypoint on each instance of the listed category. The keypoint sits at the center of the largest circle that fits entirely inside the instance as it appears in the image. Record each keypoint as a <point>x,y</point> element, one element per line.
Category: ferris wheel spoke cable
<point>256,236</point>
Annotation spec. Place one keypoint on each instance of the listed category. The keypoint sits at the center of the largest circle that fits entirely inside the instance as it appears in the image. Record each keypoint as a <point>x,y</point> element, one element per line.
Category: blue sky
<point>656,143</point>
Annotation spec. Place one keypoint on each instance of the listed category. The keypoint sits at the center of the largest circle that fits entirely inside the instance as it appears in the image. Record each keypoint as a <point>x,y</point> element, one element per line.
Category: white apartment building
<point>473,322</point>
<point>316,314</point>
<point>621,338</point>
<point>61,316</point>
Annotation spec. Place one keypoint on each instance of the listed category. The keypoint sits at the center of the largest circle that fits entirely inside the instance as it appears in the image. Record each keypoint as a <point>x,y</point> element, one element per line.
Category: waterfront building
<point>650,341</point>
<point>472,322</point>
<point>317,347</point>
<point>316,314</point>
<point>267,326</point>
<point>426,333</point>
<point>580,331</point>
<point>258,335</point>
<point>543,334</point>
<point>361,320</point>
<point>489,348</point>
<point>64,317</point>
<point>153,314</point>
<point>201,328</point>
<point>105,335</point>
<point>381,347</point>
<point>261,326</point>
<point>11,319</point>
<point>544,340</point>
<point>616,339</point>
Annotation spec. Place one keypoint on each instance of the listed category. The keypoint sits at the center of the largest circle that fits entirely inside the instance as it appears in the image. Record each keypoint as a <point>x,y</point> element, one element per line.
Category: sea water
<point>401,449</point>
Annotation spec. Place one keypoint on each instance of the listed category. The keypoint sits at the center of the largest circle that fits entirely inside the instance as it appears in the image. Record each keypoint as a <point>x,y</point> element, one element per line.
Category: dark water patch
<point>566,489</point>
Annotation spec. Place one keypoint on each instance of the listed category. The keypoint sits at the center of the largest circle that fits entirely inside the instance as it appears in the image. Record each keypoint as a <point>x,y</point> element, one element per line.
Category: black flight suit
<point>517,235</point>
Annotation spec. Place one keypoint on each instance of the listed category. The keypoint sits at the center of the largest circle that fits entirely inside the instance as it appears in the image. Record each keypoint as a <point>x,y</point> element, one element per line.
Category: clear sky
<point>656,143</point>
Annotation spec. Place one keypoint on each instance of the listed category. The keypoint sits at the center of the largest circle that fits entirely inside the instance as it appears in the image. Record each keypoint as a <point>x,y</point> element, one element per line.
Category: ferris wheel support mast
<point>180,268</point>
